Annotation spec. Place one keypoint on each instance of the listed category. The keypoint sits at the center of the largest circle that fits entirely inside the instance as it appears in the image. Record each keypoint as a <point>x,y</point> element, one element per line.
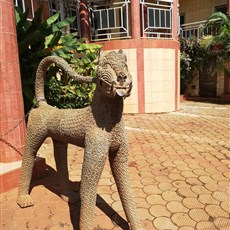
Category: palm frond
<point>218,18</point>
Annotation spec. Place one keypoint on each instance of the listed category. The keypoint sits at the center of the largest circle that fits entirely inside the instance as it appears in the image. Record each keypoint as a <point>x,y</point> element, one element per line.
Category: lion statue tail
<point>41,73</point>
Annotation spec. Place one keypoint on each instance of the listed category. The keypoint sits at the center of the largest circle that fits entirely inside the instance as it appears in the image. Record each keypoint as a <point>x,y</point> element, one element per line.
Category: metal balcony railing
<point>110,22</point>
<point>156,18</point>
<point>196,29</point>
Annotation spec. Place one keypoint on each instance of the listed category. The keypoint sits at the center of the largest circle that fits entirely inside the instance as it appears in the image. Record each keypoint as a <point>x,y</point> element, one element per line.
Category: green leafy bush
<point>192,57</point>
<point>218,44</point>
<point>38,39</point>
<point>62,91</point>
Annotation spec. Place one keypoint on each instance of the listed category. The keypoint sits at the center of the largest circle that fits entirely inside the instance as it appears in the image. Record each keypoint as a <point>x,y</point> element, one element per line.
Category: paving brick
<point>155,199</point>
<point>193,181</point>
<point>148,181</point>
<point>180,163</point>
<point>206,180</point>
<point>175,176</point>
<point>183,219</point>
<point>171,196</point>
<point>195,166</point>
<point>19,213</point>
<point>166,186</point>
<point>186,228</point>
<point>176,206</point>
<point>199,189</point>
<point>207,199</point>
<point>104,189</point>
<point>105,181</point>
<point>222,223</point>
<point>117,206</point>
<point>225,206</point>
<point>159,210</point>
<point>41,221</point>
<point>50,208</point>
<point>211,170</point>
<point>144,214</point>
<point>222,168</point>
<point>150,189</point>
<point>216,211</point>
<point>61,218</point>
<point>60,226</point>
<point>198,215</point>
<point>203,225</point>
<point>138,192</point>
<point>191,203</point>
<point>12,194</point>
<point>188,174</point>
<point>225,185</point>
<point>148,225</point>
<point>201,172</point>
<point>164,223</point>
<point>213,187</point>
<point>186,192</point>
<point>102,221</point>
<point>221,196</point>
<point>162,178</point>
<point>9,205</point>
<point>142,203</point>
<point>180,184</point>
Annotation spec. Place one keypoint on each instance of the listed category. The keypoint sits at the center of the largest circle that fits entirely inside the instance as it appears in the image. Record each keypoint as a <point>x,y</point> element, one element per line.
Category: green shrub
<point>192,57</point>
<point>38,39</point>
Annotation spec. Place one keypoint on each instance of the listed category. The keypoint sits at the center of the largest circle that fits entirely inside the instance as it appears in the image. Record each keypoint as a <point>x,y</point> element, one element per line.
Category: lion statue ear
<point>101,55</point>
<point>123,53</point>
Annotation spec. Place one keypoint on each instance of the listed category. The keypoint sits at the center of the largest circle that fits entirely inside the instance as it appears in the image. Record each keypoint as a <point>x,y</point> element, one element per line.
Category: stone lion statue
<point>99,128</point>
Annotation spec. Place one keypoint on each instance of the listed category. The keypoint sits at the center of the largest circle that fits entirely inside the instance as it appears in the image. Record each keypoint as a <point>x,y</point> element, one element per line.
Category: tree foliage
<point>218,43</point>
<point>192,58</point>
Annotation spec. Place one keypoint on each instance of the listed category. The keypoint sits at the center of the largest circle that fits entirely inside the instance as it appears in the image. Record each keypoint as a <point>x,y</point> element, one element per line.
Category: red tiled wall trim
<point>10,179</point>
<point>140,80</point>
<point>176,81</point>
<point>140,43</point>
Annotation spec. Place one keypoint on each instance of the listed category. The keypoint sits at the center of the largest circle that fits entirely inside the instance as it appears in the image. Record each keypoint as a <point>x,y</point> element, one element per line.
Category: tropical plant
<point>62,91</point>
<point>38,39</point>
<point>192,57</point>
<point>218,43</point>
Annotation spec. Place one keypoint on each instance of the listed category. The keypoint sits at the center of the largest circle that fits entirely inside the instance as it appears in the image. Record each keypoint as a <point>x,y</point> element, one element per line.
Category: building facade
<point>147,30</point>
<point>193,15</point>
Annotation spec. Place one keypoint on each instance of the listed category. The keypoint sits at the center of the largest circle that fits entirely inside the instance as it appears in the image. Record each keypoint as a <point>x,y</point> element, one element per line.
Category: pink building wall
<point>11,103</point>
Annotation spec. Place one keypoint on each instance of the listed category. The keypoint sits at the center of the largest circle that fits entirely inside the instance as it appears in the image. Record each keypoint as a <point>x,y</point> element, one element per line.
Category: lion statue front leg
<point>119,166</point>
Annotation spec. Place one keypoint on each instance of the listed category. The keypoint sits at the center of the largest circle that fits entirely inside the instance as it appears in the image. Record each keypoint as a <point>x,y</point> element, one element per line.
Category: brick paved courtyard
<point>179,168</point>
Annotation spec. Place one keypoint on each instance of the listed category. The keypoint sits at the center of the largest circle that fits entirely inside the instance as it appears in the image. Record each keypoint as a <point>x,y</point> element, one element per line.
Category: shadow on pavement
<point>51,182</point>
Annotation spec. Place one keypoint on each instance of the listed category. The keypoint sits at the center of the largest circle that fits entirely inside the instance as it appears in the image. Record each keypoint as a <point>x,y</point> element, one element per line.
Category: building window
<point>109,20</point>
<point>156,18</point>
<point>222,8</point>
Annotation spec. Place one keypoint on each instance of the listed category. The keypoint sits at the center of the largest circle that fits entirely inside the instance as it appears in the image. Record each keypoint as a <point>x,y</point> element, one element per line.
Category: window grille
<point>156,18</point>
<point>66,9</point>
<point>110,21</point>
<point>26,5</point>
<point>20,3</point>
<point>196,29</point>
